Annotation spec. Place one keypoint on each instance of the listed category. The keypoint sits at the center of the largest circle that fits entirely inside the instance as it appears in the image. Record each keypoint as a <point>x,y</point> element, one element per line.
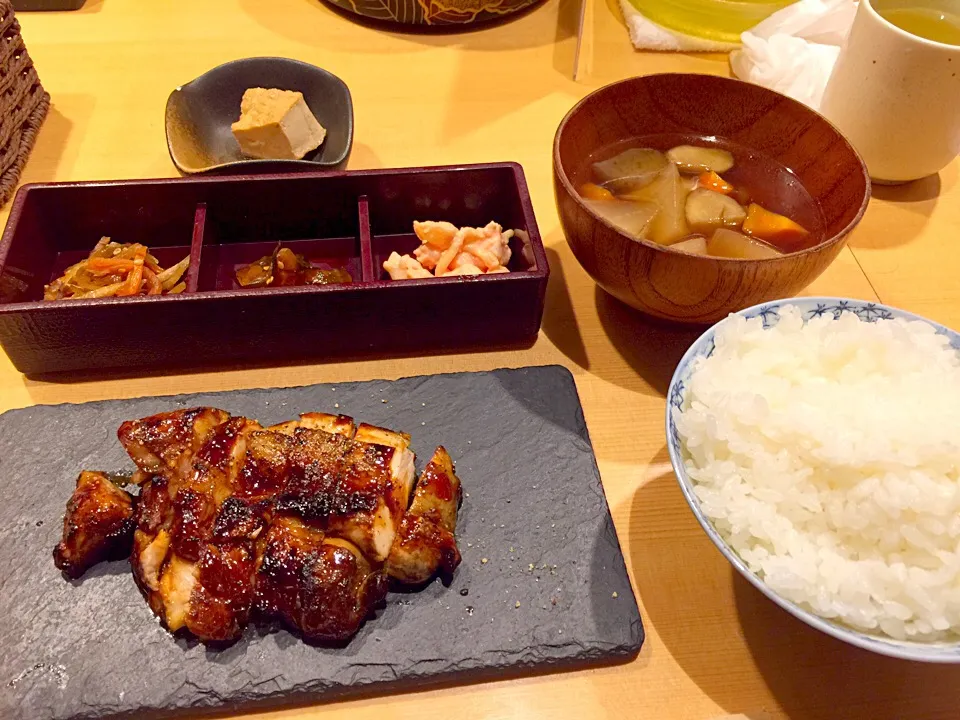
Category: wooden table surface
<point>715,646</point>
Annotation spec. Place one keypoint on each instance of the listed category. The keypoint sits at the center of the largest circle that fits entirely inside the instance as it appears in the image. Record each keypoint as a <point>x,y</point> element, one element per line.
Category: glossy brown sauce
<point>217,449</point>
<point>436,482</point>
<point>193,514</point>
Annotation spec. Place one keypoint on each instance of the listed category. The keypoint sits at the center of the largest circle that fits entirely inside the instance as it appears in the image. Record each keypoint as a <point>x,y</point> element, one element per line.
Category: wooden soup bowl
<point>692,288</point>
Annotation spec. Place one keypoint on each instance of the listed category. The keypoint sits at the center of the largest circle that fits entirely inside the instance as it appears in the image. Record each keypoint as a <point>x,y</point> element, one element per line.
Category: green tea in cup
<point>923,20</point>
<point>895,89</point>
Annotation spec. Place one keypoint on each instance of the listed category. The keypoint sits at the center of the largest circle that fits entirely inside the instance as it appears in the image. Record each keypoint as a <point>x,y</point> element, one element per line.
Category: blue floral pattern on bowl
<point>811,307</point>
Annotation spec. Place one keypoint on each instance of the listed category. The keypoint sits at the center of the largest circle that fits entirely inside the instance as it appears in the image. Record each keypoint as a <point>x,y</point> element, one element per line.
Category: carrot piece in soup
<point>772,227</point>
<point>591,191</point>
<point>711,181</point>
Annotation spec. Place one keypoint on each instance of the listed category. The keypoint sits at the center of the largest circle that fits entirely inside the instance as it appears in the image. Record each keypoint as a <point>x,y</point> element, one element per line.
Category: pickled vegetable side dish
<point>284,268</point>
<point>701,196</point>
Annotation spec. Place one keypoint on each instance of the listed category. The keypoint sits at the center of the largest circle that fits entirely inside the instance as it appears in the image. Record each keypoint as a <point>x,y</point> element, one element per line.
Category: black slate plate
<point>200,113</point>
<point>91,648</point>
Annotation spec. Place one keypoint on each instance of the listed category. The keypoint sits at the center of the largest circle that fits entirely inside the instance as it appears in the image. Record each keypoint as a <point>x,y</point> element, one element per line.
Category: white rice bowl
<point>826,454</point>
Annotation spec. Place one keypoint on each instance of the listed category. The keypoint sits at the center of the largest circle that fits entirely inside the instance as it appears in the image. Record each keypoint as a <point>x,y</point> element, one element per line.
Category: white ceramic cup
<point>896,96</point>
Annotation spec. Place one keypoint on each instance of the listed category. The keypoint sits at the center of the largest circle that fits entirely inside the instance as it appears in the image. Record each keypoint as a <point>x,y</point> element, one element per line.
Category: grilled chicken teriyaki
<point>301,522</point>
<point>98,523</point>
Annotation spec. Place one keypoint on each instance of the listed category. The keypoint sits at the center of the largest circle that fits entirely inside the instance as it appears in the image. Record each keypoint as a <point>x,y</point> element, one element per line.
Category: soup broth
<point>756,191</point>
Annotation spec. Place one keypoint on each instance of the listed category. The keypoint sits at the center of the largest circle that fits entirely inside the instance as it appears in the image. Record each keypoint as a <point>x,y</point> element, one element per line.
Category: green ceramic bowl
<point>721,20</point>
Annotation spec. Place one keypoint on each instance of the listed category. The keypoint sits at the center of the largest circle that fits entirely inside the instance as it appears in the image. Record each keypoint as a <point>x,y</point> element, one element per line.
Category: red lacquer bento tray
<point>341,219</point>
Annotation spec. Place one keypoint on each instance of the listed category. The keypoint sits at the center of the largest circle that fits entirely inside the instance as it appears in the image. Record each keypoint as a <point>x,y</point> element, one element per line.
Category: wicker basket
<point>23,102</point>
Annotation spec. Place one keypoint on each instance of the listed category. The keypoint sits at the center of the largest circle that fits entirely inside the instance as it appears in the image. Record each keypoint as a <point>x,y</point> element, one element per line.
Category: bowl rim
<point>936,652</point>
<point>252,164</point>
<point>560,173</point>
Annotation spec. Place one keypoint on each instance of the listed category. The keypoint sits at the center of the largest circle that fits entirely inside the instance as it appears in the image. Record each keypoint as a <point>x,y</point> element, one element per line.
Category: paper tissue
<point>793,51</point>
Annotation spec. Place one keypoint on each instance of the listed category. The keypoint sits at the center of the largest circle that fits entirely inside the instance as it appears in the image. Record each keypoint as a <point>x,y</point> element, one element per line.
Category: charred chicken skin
<point>302,522</point>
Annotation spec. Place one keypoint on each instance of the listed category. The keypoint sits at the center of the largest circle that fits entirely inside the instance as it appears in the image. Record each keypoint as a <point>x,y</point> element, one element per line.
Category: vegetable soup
<point>701,195</point>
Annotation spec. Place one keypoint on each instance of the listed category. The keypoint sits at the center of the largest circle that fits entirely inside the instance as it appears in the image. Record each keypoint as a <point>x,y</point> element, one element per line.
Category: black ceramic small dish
<point>200,113</point>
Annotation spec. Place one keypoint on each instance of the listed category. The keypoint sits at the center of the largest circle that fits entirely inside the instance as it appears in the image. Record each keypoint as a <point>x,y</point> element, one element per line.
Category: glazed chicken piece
<point>213,595</point>
<point>222,595</point>
<point>265,469</point>
<point>220,457</point>
<point>197,497</point>
<point>425,542</point>
<point>373,490</point>
<point>294,521</point>
<point>165,443</point>
<point>352,482</point>
<point>266,466</point>
<point>98,524</point>
<point>333,424</point>
<point>151,540</point>
<point>322,586</point>
<point>176,555</point>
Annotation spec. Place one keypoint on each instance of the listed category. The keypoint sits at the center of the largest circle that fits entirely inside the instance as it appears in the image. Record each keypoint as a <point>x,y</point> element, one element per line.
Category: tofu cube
<point>276,125</point>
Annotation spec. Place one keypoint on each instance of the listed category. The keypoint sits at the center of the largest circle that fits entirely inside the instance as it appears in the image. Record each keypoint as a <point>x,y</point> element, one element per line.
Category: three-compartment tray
<point>352,220</point>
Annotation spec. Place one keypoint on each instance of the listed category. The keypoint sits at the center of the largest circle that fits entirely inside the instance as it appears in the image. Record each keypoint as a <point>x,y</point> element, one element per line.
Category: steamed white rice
<point>828,455</point>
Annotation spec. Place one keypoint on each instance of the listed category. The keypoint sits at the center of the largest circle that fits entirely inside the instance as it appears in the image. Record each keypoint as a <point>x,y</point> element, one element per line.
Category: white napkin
<point>794,50</point>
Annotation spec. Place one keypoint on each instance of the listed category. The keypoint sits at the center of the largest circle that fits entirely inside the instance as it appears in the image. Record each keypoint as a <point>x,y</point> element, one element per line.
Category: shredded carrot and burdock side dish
<point>117,270</point>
